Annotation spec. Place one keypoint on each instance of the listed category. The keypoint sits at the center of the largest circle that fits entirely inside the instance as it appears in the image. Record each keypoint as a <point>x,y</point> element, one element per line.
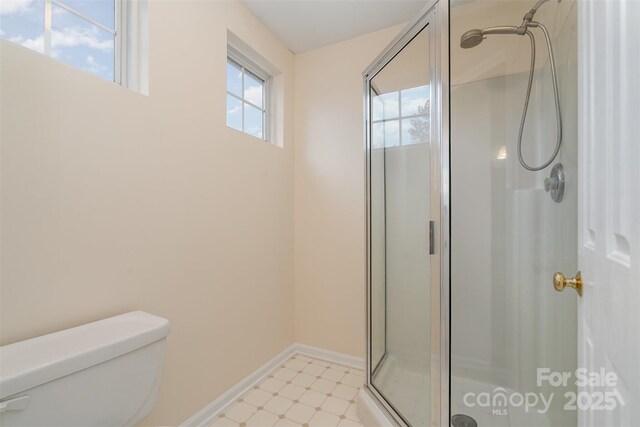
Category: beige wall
<point>113,201</point>
<point>329,192</point>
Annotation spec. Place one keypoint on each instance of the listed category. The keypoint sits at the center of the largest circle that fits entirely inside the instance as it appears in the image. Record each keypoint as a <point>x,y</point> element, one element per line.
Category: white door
<point>609,209</point>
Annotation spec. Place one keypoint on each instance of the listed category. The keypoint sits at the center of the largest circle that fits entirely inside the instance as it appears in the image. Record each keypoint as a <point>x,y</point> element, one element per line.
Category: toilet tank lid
<point>30,363</point>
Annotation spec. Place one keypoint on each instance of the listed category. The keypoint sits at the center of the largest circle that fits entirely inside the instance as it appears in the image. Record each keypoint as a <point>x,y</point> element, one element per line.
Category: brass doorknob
<point>560,282</point>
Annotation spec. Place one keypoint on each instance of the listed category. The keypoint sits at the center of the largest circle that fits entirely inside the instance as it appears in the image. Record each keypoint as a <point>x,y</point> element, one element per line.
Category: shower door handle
<point>431,237</point>
<point>560,282</point>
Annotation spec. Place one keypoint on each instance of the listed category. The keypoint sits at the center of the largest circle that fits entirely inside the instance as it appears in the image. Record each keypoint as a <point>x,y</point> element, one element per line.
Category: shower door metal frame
<point>436,15</point>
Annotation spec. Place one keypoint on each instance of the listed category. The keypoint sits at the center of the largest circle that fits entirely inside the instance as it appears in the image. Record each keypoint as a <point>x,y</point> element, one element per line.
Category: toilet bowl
<point>105,373</point>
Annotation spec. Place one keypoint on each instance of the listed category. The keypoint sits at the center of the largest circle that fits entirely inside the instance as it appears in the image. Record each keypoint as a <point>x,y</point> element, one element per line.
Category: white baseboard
<point>211,411</point>
<point>330,356</point>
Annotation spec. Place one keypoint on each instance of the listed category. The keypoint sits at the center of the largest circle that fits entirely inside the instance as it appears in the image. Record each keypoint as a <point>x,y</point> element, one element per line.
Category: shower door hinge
<point>431,237</point>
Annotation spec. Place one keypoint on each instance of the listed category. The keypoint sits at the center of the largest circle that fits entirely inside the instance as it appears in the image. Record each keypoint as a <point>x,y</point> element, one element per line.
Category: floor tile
<point>303,380</point>
<point>344,391</point>
<point>241,412</point>
<point>332,374</point>
<point>335,405</point>
<point>353,380</point>
<point>286,422</point>
<point>272,384</point>
<point>303,392</point>
<point>313,369</point>
<point>352,413</point>
<point>324,419</point>
<point>295,365</point>
<point>300,413</point>
<point>284,374</point>
<point>291,391</point>
<point>313,398</point>
<point>257,397</point>
<point>339,368</point>
<point>262,419</point>
<point>224,422</point>
<point>349,423</point>
<point>278,405</point>
<point>321,363</point>
<point>323,386</point>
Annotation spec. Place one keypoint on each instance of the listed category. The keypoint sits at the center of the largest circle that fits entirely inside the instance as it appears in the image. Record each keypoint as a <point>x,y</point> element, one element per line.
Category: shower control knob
<point>554,184</point>
<point>550,184</point>
<point>560,282</point>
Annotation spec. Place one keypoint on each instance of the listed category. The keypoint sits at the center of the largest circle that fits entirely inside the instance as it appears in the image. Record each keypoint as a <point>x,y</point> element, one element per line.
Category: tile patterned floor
<point>303,392</point>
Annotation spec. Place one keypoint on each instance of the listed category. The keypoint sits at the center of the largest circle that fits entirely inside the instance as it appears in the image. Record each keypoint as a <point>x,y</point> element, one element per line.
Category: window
<point>400,118</point>
<point>87,34</point>
<point>247,93</point>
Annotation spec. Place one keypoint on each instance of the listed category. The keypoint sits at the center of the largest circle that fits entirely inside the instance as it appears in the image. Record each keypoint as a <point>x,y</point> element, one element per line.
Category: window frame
<point>118,33</point>
<point>398,119</point>
<point>247,66</point>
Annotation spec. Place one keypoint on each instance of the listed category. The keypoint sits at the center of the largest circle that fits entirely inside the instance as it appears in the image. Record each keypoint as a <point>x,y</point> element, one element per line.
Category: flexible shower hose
<point>526,100</point>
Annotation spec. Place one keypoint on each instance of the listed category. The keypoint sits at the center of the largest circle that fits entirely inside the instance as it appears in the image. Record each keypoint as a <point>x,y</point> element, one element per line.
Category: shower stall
<point>471,172</point>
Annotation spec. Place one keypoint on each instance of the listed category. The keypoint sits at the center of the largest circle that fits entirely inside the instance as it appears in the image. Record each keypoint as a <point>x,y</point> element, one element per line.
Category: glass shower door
<point>508,235</point>
<point>403,216</point>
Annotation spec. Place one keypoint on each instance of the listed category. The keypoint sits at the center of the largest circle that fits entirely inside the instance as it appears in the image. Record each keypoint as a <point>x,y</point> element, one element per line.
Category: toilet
<point>105,373</point>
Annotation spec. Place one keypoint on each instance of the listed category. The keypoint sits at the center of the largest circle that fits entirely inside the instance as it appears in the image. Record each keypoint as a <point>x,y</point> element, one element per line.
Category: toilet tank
<point>105,373</point>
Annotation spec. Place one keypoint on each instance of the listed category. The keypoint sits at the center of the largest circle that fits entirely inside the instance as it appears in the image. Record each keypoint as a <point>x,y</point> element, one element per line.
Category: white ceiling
<point>305,25</point>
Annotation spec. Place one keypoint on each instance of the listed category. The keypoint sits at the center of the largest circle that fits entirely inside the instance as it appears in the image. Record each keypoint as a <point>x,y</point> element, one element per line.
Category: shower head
<point>471,38</point>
